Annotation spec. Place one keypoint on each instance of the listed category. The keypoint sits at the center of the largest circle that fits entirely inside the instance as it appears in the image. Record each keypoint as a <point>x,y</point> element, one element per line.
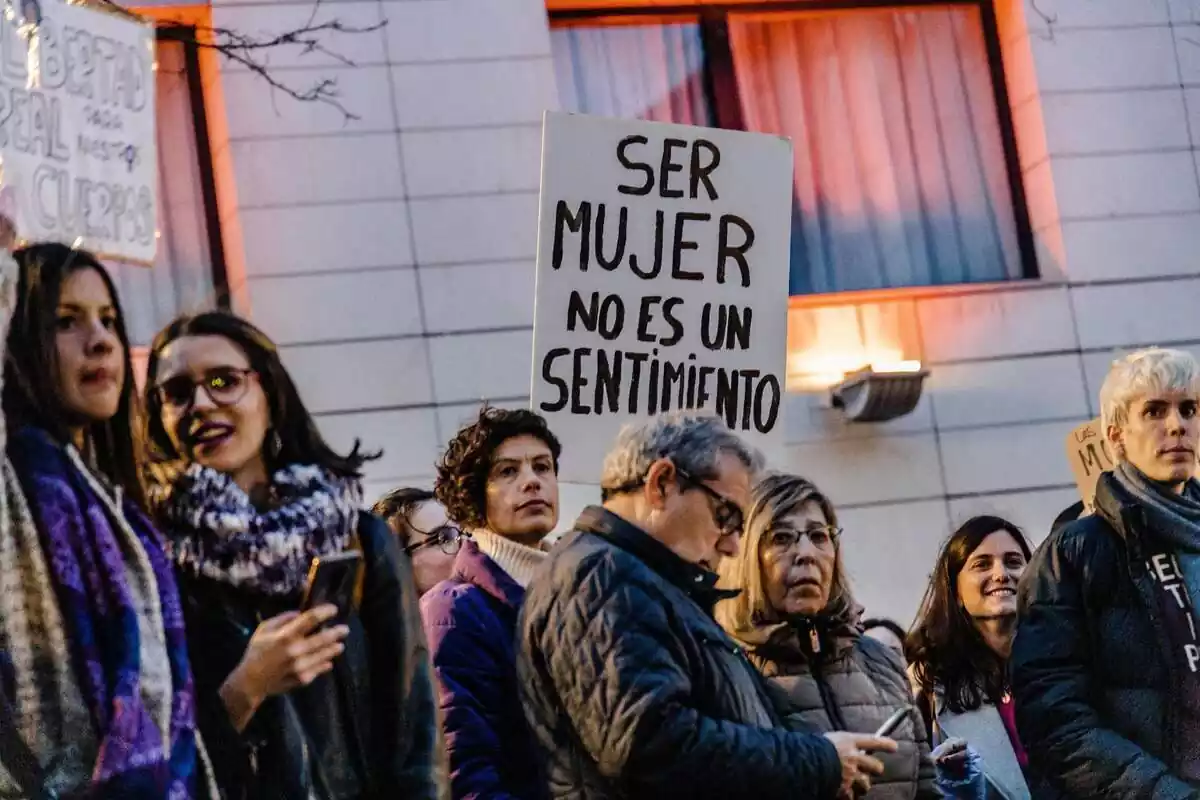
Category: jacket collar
<point>698,583</point>
<point>472,566</point>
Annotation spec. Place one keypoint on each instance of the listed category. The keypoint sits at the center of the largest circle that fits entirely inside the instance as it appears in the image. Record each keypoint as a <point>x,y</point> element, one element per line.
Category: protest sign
<point>662,280</point>
<point>1088,454</point>
<point>77,127</point>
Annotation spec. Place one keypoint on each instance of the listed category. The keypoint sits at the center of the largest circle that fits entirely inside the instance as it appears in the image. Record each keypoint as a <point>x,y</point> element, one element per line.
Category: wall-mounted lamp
<point>878,393</point>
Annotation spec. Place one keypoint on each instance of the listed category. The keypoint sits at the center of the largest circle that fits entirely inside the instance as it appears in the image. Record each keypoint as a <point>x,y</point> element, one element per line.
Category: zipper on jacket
<point>827,698</point>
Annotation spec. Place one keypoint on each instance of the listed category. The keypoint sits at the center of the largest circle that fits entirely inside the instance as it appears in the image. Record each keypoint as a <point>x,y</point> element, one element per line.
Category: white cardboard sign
<point>77,128</point>
<point>662,280</point>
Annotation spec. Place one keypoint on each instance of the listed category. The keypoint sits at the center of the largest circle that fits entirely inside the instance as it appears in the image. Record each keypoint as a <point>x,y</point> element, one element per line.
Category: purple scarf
<point>86,564</point>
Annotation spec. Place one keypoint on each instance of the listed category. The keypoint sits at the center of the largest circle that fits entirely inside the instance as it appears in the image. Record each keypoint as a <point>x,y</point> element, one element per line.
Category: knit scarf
<point>1173,521</point>
<point>218,533</point>
<point>75,590</point>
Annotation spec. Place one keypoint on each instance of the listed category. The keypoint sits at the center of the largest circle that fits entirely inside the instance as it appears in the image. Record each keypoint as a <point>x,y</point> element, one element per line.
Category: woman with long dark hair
<point>249,494</point>
<point>96,692</point>
<point>959,650</point>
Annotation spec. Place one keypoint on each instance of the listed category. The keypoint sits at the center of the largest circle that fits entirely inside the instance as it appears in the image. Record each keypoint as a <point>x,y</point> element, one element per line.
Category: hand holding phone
<point>331,581</point>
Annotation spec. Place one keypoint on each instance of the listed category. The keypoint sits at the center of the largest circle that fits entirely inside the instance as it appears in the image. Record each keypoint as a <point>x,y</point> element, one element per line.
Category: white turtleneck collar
<point>517,560</point>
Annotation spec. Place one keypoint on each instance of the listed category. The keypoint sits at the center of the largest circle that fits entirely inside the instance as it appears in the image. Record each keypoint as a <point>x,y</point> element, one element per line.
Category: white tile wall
<point>1140,183</point>
<point>486,93</point>
<point>359,91</point>
<point>1032,512</point>
<point>1007,457</point>
<point>465,29</point>
<point>1012,390</point>
<point>502,226</point>
<point>326,238</point>
<point>1131,248</point>
<point>889,552</point>
<point>853,471</point>
<point>347,306</point>
<point>481,366</point>
<point>360,375</point>
<point>478,296</point>
<point>810,419</point>
<point>995,324</point>
<point>1061,15</point>
<point>1138,314</point>
<point>286,172</point>
<point>1107,122</point>
<point>407,438</point>
<point>1075,60</point>
<point>473,161</point>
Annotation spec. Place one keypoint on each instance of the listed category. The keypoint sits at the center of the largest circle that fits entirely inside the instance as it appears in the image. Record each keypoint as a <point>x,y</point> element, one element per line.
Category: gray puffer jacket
<point>829,677</point>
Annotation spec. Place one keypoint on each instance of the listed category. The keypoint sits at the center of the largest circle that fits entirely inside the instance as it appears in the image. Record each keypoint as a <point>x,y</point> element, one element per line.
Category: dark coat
<point>853,683</point>
<point>633,690</point>
<point>1092,679</point>
<point>470,621</point>
<point>370,726</point>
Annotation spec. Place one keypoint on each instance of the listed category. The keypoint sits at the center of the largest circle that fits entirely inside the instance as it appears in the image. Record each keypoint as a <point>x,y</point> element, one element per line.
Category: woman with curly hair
<point>498,481</point>
<point>959,651</point>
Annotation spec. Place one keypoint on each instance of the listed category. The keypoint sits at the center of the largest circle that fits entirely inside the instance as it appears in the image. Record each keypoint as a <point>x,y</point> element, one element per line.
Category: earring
<point>274,444</point>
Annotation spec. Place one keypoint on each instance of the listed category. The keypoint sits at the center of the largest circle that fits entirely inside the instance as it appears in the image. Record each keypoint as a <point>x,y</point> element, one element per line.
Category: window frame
<point>721,91</point>
<point>186,36</point>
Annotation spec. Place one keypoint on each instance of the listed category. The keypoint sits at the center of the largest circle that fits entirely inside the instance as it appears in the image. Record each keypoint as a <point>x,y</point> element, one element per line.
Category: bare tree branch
<point>253,52</point>
<point>1049,19</point>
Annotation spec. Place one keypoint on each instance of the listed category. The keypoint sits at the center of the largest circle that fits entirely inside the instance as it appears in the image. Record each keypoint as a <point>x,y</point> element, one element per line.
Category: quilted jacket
<point>470,622</point>
<point>632,690</point>
<point>849,682</point>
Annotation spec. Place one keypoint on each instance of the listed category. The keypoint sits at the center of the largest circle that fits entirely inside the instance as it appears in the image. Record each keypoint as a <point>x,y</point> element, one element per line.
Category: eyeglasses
<point>447,537</point>
<point>225,386</point>
<point>726,514</point>
<point>823,537</point>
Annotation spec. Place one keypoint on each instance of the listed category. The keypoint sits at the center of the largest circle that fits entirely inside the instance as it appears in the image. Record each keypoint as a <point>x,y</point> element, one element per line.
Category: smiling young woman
<point>249,494</point>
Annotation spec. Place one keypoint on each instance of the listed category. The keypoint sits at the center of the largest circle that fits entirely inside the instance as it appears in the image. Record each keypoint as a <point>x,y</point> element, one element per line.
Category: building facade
<point>1005,190</point>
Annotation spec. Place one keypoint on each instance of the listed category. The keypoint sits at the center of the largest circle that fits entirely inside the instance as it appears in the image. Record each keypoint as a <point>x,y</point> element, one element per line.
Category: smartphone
<point>893,721</point>
<point>332,579</point>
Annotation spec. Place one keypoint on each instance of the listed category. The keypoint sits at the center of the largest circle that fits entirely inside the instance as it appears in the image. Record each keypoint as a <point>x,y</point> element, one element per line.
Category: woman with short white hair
<point>1106,662</point>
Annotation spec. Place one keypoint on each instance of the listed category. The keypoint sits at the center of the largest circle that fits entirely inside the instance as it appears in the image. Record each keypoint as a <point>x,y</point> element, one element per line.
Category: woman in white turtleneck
<point>499,480</point>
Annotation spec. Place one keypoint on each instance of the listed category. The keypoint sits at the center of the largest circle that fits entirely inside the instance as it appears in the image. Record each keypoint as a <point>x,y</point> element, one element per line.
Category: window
<point>188,272</point>
<point>905,164</point>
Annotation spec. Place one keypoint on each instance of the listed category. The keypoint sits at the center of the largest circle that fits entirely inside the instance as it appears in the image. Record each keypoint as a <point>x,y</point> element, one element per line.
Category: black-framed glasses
<point>823,537</point>
<point>225,386</point>
<point>726,514</point>
<point>446,537</point>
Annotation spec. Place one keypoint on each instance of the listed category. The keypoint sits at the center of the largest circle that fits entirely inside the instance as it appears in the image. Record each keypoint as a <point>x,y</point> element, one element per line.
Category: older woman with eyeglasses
<point>426,534</point>
<point>800,627</point>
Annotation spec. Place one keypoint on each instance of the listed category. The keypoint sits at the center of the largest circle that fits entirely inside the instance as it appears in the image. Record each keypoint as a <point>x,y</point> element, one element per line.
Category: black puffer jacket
<point>632,690</point>
<point>851,683</point>
<point>367,730</point>
<point>1091,677</point>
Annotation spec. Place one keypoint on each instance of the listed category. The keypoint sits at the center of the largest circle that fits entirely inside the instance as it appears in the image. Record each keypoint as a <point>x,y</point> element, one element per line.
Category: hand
<point>284,653</point>
<point>857,766</point>
<point>952,758</point>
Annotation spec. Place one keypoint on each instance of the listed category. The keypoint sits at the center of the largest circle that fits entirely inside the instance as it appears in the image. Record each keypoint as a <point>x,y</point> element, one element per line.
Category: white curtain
<point>182,276</point>
<point>899,169</point>
<point>650,72</point>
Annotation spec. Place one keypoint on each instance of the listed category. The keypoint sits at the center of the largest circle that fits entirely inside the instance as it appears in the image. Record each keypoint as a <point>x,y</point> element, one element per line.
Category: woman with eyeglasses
<point>426,534</point>
<point>330,703</point>
<point>799,625</point>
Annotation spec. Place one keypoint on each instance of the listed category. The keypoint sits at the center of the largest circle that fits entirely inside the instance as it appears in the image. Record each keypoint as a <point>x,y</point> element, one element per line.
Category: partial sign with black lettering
<point>662,280</point>
<point>1089,454</point>
<point>77,128</point>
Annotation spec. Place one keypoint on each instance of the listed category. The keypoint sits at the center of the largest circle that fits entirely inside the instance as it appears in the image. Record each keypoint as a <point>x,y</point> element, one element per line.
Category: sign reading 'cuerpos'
<point>77,128</point>
<point>662,279</point>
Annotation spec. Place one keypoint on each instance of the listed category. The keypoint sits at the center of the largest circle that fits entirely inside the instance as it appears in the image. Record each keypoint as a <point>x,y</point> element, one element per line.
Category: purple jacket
<point>470,622</point>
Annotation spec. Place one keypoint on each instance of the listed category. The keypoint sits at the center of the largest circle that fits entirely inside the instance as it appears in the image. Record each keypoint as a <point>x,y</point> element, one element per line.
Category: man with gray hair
<point>631,688</point>
<point>1106,661</point>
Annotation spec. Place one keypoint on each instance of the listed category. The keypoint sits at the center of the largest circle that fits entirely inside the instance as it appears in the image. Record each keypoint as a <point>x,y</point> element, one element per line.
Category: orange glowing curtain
<point>899,170</point>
